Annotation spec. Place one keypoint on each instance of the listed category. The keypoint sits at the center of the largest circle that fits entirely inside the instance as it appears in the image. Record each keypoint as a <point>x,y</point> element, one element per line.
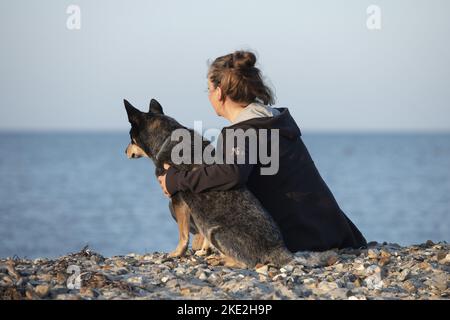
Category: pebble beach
<point>382,271</point>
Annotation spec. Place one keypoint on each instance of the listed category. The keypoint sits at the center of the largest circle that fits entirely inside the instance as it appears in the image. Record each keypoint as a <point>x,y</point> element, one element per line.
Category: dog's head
<point>148,130</point>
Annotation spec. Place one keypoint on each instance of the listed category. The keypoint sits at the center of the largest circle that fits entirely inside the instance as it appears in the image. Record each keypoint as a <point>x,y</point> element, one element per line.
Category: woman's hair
<point>239,79</point>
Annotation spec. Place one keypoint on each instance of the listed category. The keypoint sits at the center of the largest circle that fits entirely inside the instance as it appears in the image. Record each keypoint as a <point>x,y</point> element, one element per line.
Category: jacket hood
<point>283,121</point>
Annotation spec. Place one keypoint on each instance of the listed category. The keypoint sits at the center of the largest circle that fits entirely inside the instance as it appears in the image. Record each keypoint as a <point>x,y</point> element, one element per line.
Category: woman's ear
<point>219,94</point>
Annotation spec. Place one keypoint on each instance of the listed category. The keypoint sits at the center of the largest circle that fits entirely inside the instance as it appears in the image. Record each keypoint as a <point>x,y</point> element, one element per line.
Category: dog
<point>234,222</point>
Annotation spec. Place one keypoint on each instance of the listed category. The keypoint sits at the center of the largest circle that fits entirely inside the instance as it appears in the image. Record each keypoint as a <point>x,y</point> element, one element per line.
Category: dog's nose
<point>132,155</point>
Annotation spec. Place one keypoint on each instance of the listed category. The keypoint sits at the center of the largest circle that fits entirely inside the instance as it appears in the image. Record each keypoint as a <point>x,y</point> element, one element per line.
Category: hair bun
<point>243,59</point>
<point>239,79</point>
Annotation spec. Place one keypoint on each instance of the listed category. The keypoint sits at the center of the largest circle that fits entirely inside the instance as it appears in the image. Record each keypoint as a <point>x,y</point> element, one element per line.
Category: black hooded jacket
<point>296,196</point>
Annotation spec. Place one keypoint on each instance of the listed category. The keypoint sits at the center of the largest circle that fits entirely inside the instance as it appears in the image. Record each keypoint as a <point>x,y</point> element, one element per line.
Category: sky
<point>324,63</point>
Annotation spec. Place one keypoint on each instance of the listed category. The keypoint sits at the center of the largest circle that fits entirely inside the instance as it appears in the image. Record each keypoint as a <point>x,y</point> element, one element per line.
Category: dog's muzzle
<point>133,151</point>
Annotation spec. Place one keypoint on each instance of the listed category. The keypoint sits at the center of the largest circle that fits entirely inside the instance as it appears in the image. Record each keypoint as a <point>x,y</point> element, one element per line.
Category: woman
<point>296,196</point>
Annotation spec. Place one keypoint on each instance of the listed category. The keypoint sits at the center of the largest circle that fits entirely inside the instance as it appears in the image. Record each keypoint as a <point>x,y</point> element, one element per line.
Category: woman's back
<point>296,196</point>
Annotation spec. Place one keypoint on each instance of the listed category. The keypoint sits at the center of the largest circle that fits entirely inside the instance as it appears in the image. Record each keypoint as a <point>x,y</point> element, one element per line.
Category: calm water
<point>59,192</point>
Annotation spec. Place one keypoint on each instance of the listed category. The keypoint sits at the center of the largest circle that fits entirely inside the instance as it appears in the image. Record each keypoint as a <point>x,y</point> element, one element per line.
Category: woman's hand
<point>162,181</point>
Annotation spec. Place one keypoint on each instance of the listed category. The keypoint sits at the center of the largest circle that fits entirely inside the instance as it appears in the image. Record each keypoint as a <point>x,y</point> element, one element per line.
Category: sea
<point>61,191</point>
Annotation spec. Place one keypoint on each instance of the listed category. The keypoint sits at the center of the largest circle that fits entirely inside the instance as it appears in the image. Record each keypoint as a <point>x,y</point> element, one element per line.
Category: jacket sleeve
<point>218,177</point>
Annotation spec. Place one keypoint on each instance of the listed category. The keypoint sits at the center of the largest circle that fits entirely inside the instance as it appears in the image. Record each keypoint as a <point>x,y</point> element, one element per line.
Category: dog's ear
<point>155,107</point>
<point>133,114</point>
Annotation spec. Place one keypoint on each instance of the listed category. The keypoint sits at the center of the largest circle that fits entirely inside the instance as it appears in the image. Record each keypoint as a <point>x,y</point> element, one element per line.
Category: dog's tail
<point>280,257</point>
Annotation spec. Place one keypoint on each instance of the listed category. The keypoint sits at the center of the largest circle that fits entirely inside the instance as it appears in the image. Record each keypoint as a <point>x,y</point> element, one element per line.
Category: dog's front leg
<point>204,250</point>
<point>197,242</point>
<point>183,216</point>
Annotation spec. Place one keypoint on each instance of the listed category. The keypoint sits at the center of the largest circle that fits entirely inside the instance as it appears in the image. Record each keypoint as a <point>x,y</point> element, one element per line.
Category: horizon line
<point>303,131</point>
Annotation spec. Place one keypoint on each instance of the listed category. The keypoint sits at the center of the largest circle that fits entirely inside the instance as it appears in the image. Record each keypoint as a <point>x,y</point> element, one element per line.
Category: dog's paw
<point>197,243</point>
<point>177,253</point>
<point>201,252</point>
<point>174,254</point>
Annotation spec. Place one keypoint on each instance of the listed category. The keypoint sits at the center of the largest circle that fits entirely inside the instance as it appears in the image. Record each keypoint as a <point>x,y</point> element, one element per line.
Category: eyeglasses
<point>208,90</point>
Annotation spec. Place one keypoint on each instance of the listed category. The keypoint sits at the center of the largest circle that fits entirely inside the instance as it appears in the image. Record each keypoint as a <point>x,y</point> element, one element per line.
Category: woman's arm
<point>214,177</point>
<point>217,177</point>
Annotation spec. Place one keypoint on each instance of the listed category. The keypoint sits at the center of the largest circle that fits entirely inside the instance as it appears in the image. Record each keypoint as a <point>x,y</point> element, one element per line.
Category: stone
<point>328,258</point>
<point>179,271</point>
<point>332,260</point>
<point>96,280</point>
<point>403,275</point>
<point>263,278</point>
<point>185,291</point>
<point>61,278</point>
<point>6,281</point>
<point>384,261</point>
<point>445,259</point>
<point>45,277</point>
<point>120,263</point>
<point>298,271</point>
<point>409,286</point>
<point>308,281</point>
<point>31,295</point>
<point>359,269</point>
<point>172,283</point>
<point>272,274</point>
<point>338,294</point>
<point>12,271</point>
<point>215,279</point>
<point>148,257</point>
<point>372,254</point>
<point>121,271</point>
<point>424,265</point>
<point>385,258</point>
<point>429,243</point>
<point>96,259</point>
<point>137,280</point>
<point>67,297</point>
<point>263,270</point>
<point>438,280</point>
<point>440,255</point>
<point>339,267</point>
<point>87,292</point>
<point>42,290</point>
<point>326,286</point>
<point>373,281</point>
<point>10,294</point>
<point>385,271</point>
<point>357,297</point>
<point>279,276</point>
<point>287,268</point>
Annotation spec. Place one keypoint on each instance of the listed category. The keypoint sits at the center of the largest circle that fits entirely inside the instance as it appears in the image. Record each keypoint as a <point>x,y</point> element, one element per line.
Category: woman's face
<point>214,98</point>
